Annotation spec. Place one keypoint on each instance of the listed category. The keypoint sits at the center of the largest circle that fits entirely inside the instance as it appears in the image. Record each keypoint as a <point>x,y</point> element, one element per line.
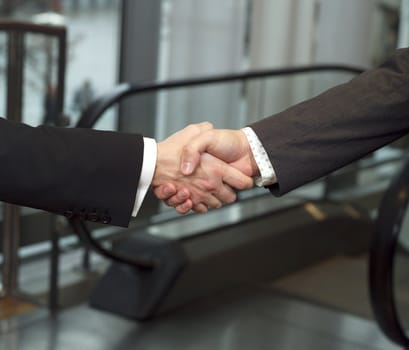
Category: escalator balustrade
<point>389,261</point>
<point>156,274</point>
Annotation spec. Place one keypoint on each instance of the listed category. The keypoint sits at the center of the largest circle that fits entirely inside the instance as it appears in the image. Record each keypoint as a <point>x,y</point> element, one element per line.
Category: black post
<point>11,213</point>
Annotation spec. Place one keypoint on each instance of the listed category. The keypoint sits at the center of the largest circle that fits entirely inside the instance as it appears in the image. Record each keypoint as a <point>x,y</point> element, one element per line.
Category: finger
<point>165,191</point>
<point>204,126</point>
<point>236,179</point>
<point>184,207</point>
<point>211,201</point>
<point>193,130</point>
<point>206,198</point>
<point>200,208</point>
<point>226,194</point>
<point>180,197</point>
<point>191,152</point>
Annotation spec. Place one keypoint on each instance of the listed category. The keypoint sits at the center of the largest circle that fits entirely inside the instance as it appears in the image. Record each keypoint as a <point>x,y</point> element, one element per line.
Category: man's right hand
<point>230,146</point>
<point>209,184</point>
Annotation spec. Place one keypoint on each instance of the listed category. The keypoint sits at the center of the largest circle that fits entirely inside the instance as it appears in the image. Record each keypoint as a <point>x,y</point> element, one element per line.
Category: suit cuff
<point>148,169</point>
<point>267,174</point>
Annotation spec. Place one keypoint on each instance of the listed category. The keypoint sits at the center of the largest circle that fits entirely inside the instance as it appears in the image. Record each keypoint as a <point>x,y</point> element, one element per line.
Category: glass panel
<point>235,104</point>
<point>92,47</point>
<point>93,40</point>
<point>40,80</point>
<point>93,32</point>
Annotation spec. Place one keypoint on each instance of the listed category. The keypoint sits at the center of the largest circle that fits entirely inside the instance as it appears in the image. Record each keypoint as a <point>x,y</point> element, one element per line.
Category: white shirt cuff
<point>267,174</point>
<point>148,169</point>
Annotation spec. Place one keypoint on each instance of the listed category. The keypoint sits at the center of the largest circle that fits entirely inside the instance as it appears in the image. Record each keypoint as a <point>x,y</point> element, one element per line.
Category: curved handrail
<point>81,229</point>
<point>95,110</point>
<point>99,106</point>
<point>382,257</point>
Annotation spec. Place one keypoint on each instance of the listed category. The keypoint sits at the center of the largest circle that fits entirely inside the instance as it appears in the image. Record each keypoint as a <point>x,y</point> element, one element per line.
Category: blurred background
<point>302,258</point>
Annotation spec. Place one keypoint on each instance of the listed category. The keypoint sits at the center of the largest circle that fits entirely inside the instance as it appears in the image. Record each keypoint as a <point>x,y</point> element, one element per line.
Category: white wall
<point>404,24</point>
<point>201,38</point>
<point>282,33</point>
<point>343,31</point>
<point>297,32</point>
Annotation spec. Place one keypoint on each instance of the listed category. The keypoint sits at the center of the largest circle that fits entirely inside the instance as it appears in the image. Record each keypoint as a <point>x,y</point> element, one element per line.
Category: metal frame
<point>16,32</point>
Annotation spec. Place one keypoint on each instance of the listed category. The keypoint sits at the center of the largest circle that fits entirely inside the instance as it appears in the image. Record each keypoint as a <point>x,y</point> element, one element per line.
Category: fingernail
<point>186,168</point>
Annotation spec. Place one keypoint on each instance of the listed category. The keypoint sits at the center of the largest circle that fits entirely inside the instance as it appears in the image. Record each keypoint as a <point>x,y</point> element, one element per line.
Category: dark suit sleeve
<point>75,172</point>
<point>343,124</point>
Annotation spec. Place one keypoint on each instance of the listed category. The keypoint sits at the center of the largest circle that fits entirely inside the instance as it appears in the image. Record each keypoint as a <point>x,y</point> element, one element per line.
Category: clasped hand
<point>200,167</point>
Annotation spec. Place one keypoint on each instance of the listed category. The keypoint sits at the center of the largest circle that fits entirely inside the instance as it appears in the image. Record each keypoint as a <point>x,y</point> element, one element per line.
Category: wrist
<point>160,174</point>
<point>252,161</point>
<point>266,174</point>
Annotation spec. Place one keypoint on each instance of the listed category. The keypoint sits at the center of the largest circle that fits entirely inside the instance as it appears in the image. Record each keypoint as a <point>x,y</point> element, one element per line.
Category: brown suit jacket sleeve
<point>75,172</point>
<point>343,124</point>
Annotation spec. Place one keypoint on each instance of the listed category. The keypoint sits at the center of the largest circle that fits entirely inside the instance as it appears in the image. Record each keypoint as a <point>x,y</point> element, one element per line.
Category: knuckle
<point>200,208</point>
<point>182,209</point>
<point>210,186</point>
<point>174,201</point>
<point>208,125</point>
<point>211,133</point>
<point>158,193</point>
<point>181,195</point>
<point>246,184</point>
<point>250,183</point>
<point>185,149</point>
<point>232,198</point>
<point>193,128</point>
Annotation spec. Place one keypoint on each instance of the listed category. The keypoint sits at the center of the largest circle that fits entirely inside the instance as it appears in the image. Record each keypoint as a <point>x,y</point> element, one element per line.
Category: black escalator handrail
<point>83,232</point>
<point>95,110</point>
<point>100,105</point>
<point>382,257</point>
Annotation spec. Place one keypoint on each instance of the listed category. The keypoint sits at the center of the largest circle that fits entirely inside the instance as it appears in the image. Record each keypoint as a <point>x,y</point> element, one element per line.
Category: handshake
<point>200,167</point>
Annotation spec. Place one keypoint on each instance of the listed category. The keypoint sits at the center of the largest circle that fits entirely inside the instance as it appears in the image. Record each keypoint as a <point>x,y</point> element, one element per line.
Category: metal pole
<point>11,217</point>
<point>53,300</point>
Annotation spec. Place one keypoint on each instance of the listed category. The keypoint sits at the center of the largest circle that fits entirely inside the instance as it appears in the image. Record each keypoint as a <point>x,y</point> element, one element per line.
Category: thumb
<point>191,152</point>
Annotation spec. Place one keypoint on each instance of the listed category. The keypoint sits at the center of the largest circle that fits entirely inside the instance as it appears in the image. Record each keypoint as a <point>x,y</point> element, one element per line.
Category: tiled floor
<point>340,283</point>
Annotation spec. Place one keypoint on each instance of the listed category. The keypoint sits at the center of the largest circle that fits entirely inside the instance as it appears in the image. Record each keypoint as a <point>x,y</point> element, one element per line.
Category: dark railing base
<point>136,292</point>
<point>250,251</point>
